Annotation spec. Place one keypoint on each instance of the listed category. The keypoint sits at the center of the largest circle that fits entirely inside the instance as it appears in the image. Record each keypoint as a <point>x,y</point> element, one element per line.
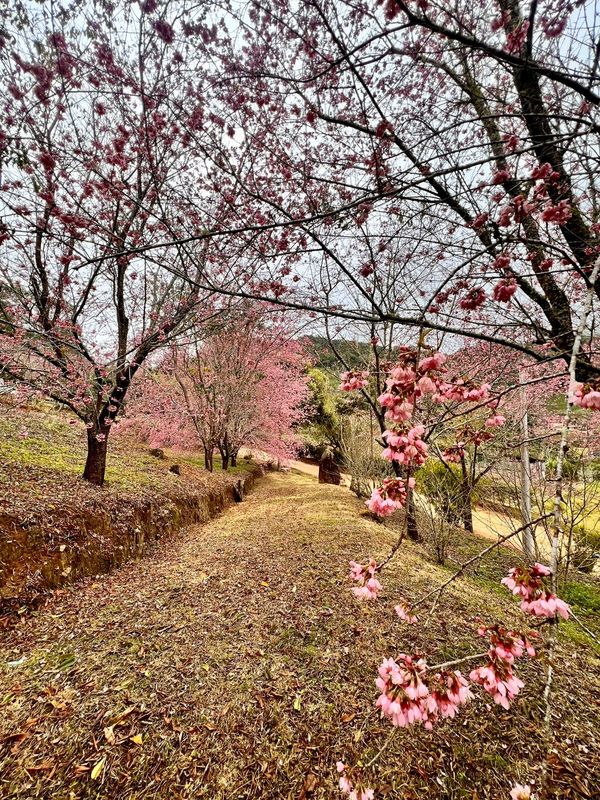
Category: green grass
<point>584,596</point>
<point>53,442</point>
<point>197,460</point>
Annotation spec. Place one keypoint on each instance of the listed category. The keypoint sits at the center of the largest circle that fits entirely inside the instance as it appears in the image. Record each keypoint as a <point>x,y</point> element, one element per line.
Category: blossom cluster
<point>390,496</point>
<point>406,448</point>
<point>403,609</point>
<point>354,379</point>
<point>410,379</point>
<point>354,791</point>
<point>497,676</point>
<point>586,396</point>
<point>409,694</point>
<point>528,584</point>
<point>368,586</point>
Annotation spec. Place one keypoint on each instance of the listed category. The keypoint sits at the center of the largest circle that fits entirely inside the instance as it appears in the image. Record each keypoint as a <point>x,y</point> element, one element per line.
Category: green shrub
<point>570,468</point>
<point>584,548</point>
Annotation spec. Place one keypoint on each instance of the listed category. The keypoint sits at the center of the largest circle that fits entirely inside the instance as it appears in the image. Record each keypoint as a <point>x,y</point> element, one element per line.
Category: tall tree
<point>434,162</point>
<point>93,171</point>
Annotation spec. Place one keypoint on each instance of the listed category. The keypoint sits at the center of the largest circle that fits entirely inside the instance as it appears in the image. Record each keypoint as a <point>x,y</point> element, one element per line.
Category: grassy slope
<point>234,664</point>
<point>42,493</point>
<point>46,439</point>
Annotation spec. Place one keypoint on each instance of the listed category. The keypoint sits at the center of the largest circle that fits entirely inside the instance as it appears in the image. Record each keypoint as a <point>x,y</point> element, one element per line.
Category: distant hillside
<point>355,354</point>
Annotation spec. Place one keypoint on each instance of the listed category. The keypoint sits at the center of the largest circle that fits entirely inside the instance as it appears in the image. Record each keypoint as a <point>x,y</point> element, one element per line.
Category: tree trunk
<point>466,511</point>
<point>95,464</point>
<point>528,535</point>
<point>412,528</point>
<point>208,459</point>
<point>223,446</point>
<point>233,458</point>
<point>466,492</point>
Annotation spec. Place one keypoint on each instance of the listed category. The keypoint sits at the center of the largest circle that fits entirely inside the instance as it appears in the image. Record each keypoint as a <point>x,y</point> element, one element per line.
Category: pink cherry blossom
<point>404,612</point>
<point>500,177</point>
<point>520,792</point>
<point>548,605</point>
<point>406,448</point>
<point>354,792</point>
<point>447,692</point>
<point>504,290</point>
<point>381,506</point>
<point>390,496</point>
<point>473,299</point>
<point>495,421</point>
<point>434,362</point>
<point>528,584</point>
<point>369,590</point>
<point>498,679</point>
<point>402,690</point>
<point>586,396</point>
<point>426,385</point>
<point>354,379</point>
<point>369,587</point>
<point>558,214</point>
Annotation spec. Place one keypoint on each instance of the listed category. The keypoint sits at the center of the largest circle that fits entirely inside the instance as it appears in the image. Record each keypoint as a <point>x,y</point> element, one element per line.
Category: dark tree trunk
<point>208,459</point>
<point>234,459</point>
<point>464,510</point>
<point>95,464</point>
<point>224,453</point>
<point>467,513</point>
<point>412,528</point>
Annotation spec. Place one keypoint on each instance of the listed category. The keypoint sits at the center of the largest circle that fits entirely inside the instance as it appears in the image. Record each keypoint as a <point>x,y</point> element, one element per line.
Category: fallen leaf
<point>109,734</point>
<point>310,784</point>
<point>137,739</point>
<point>97,770</point>
<point>45,765</point>
<point>124,715</point>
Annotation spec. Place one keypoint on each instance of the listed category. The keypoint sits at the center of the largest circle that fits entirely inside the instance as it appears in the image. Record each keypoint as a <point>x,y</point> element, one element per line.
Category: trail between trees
<point>233,663</point>
<point>489,524</point>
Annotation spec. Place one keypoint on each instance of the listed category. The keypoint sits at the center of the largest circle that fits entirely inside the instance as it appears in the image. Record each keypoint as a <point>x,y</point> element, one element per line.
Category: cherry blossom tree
<point>431,163</point>
<point>411,691</point>
<point>93,171</point>
<point>243,385</point>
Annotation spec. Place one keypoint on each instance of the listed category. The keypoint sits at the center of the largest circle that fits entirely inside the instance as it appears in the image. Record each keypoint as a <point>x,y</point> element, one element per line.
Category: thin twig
<point>457,661</point>
<point>383,747</point>
<point>477,557</point>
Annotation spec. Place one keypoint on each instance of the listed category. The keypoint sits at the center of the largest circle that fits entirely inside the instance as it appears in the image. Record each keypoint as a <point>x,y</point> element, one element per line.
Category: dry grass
<point>235,664</point>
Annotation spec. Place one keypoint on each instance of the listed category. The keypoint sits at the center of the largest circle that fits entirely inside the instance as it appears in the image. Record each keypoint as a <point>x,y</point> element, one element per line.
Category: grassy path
<point>233,663</point>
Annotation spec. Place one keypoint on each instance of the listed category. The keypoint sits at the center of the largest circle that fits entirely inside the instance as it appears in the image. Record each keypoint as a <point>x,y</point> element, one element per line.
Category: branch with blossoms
<point>410,690</point>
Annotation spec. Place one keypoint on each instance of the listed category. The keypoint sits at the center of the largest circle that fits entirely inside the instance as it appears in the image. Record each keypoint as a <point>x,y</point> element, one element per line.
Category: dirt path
<point>233,663</point>
<point>313,470</point>
<point>486,523</point>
